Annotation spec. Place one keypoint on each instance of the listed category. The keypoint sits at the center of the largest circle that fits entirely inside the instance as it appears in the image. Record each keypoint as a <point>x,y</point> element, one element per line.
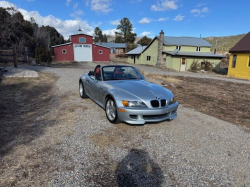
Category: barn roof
<point>62,44</point>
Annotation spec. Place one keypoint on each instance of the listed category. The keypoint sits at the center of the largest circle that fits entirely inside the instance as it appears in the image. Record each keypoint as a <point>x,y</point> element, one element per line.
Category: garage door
<point>82,52</point>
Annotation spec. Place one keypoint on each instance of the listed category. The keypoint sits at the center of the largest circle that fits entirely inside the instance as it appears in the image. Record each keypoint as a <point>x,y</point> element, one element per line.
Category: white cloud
<point>6,4</point>
<point>198,12</point>
<point>97,24</point>
<point>163,5</point>
<point>68,2</point>
<point>110,32</point>
<point>115,22</point>
<point>75,6</point>
<point>162,19</point>
<point>86,2</point>
<point>148,20</point>
<point>205,9</point>
<point>145,20</point>
<point>201,4</point>
<point>145,33</point>
<point>77,14</point>
<point>101,6</point>
<point>64,27</point>
<point>178,18</point>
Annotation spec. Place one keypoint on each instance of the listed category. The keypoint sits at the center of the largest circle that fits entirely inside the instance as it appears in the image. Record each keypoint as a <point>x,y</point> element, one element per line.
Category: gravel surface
<point>193,150</point>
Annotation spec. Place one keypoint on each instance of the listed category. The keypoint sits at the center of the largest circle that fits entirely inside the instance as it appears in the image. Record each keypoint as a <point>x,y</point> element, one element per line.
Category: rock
<point>33,63</point>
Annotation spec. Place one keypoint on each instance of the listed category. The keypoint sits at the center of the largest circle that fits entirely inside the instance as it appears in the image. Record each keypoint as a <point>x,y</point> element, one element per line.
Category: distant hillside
<point>111,38</point>
<point>224,43</point>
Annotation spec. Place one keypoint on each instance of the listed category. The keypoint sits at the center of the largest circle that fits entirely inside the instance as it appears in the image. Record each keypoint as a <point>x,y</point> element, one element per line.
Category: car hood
<point>140,89</point>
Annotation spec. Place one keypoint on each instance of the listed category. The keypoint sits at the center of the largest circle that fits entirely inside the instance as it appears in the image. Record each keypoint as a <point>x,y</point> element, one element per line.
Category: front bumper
<point>146,115</point>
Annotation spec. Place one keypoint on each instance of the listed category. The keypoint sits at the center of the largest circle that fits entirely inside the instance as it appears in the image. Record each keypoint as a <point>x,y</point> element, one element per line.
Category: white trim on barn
<point>62,44</point>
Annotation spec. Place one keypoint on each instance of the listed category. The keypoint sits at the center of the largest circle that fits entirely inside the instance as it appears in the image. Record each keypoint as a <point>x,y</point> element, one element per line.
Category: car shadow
<point>138,169</point>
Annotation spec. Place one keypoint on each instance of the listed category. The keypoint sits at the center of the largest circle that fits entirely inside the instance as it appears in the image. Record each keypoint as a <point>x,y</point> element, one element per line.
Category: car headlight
<point>133,103</point>
<point>172,101</point>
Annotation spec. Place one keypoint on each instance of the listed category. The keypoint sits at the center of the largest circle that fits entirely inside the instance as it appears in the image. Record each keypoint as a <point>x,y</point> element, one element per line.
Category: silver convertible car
<point>126,96</point>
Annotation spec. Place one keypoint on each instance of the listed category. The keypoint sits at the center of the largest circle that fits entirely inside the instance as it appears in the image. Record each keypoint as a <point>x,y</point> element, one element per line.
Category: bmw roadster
<point>126,96</point>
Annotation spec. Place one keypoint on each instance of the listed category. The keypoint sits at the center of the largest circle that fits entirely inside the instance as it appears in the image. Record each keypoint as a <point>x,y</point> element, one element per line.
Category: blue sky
<point>148,17</point>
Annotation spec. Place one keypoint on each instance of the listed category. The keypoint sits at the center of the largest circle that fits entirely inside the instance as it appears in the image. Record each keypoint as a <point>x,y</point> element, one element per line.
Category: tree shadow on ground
<point>23,106</point>
<point>138,169</point>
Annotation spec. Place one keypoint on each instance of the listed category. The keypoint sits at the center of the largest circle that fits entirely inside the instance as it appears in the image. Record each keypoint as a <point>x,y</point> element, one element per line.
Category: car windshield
<point>120,73</point>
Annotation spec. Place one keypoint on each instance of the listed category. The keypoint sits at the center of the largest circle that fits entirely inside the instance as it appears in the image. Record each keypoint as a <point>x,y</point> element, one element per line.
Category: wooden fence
<point>13,56</point>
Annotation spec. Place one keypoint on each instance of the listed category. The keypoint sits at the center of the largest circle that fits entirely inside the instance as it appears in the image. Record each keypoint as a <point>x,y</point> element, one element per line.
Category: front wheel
<point>82,90</point>
<point>111,111</point>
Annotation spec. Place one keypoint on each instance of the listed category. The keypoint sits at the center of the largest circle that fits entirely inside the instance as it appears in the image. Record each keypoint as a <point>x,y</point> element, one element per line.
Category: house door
<point>82,52</point>
<point>183,64</point>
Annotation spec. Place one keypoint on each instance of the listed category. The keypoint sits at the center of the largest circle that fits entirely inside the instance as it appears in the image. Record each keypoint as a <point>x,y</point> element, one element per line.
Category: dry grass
<point>162,79</point>
<point>221,99</point>
<point>23,111</point>
<point>118,60</point>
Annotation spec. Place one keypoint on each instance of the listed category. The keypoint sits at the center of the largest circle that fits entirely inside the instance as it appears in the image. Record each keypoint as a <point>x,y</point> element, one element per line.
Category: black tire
<point>111,111</point>
<point>82,92</point>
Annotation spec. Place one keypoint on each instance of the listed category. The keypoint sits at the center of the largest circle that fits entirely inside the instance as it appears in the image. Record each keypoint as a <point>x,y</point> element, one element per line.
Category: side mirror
<point>91,73</point>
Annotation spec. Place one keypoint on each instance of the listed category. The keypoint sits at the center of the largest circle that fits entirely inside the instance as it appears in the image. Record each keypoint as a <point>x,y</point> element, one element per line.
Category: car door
<point>94,85</point>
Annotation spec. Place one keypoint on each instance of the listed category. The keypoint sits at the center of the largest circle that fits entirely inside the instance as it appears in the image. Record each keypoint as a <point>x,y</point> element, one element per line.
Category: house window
<point>164,60</point>
<point>132,57</point>
<point>249,61</point>
<point>64,51</point>
<point>198,48</point>
<point>100,52</point>
<point>178,47</point>
<point>148,58</point>
<point>137,56</point>
<point>234,61</point>
<point>82,40</point>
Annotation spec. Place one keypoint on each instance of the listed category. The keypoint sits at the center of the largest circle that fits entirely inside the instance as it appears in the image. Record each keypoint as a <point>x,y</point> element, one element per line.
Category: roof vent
<point>79,31</point>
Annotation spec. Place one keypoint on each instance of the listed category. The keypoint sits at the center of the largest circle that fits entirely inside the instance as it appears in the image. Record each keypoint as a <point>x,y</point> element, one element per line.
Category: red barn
<point>81,48</point>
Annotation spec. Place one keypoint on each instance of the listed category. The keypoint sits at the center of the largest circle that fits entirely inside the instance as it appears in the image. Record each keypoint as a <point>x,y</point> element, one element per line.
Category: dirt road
<point>64,140</point>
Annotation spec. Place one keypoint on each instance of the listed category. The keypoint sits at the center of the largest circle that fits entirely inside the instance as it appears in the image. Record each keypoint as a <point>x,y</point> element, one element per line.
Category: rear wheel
<point>111,111</point>
<point>82,90</point>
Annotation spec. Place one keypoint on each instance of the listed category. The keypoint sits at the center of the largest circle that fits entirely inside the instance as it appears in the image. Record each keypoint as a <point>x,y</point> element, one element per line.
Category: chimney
<point>215,48</point>
<point>99,42</point>
<point>160,49</point>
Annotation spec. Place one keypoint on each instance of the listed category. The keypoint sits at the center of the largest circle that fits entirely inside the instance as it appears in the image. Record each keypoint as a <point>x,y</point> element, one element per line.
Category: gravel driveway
<point>192,150</point>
